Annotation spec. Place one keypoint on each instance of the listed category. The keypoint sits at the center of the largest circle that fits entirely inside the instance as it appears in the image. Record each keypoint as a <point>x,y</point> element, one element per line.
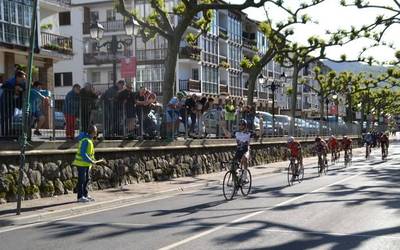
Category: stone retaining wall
<point>48,174</point>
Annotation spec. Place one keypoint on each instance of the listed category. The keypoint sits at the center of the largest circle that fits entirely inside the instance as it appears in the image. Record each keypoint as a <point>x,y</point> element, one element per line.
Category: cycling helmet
<point>333,137</point>
<point>180,94</point>
<point>290,139</point>
<point>243,122</point>
<point>345,137</point>
<point>318,139</point>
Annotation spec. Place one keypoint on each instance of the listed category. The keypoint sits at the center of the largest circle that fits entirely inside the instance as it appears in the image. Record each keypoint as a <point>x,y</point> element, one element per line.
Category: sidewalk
<point>47,209</point>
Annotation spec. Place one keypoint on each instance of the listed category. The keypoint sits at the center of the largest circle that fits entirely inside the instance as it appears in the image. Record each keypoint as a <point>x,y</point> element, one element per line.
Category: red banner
<point>333,110</point>
<point>128,67</point>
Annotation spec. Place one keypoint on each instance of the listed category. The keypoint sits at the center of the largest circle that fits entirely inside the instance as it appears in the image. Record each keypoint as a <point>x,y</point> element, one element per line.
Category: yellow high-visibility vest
<point>89,150</point>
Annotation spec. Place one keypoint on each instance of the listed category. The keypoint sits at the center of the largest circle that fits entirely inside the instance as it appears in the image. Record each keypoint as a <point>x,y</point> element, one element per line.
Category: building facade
<point>15,25</point>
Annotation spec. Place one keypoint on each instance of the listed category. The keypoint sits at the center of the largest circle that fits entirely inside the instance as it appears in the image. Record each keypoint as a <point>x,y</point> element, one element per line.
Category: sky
<point>330,15</point>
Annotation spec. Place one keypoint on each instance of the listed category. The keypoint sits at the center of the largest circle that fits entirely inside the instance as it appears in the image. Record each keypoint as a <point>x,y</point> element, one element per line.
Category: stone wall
<point>49,172</point>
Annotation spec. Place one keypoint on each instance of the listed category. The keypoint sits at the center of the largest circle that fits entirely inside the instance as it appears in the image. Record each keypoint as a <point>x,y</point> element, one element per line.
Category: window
<point>195,74</point>
<point>111,15</point>
<point>63,79</point>
<point>95,77</point>
<point>94,16</point>
<point>64,18</point>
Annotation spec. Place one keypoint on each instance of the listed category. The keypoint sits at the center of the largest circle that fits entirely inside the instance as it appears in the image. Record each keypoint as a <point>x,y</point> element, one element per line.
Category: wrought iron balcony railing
<point>109,26</point>
<point>56,43</point>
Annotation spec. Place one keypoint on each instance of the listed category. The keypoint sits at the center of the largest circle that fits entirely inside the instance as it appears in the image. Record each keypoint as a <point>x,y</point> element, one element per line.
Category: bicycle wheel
<point>290,174</point>
<point>229,186</point>
<point>301,174</point>
<point>246,182</point>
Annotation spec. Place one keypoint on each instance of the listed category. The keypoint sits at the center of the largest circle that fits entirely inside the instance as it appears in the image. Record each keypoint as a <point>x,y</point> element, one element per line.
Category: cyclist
<point>321,149</point>
<point>333,147</point>
<point>295,152</point>
<point>368,139</point>
<point>243,146</point>
<point>384,143</point>
<point>347,145</point>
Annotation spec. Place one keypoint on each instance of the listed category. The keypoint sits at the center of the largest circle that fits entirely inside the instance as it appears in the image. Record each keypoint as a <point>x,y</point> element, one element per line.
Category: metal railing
<point>119,117</point>
<point>57,43</point>
<point>148,55</point>
<point>190,85</point>
<point>109,26</point>
<point>97,58</point>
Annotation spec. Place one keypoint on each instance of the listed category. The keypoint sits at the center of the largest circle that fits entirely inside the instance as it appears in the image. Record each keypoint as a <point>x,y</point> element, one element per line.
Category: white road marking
<point>207,232</point>
<point>316,233</point>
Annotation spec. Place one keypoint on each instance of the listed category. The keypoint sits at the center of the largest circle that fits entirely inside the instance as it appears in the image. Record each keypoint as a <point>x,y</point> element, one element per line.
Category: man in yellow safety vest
<point>84,159</point>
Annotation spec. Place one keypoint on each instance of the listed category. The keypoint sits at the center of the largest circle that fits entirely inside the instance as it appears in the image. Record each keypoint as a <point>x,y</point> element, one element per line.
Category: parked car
<point>267,124</point>
<point>59,120</point>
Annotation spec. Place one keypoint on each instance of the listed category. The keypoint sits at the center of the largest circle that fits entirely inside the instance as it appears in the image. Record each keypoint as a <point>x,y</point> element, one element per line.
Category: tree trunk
<point>169,74</point>
<point>253,77</point>
<point>294,98</point>
<point>321,117</point>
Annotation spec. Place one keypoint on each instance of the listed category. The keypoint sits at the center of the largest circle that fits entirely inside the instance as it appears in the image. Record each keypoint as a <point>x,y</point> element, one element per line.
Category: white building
<point>15,24</point>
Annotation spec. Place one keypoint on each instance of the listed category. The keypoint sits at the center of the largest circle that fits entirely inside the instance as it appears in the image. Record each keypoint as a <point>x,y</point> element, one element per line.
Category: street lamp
<point>336,101</point>
<point>97,32</point>
<point>273,85</point>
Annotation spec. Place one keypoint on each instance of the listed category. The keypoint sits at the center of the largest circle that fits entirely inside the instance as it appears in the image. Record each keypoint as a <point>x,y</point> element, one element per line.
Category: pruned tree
<point>277,37</point>
<point>162,22</point>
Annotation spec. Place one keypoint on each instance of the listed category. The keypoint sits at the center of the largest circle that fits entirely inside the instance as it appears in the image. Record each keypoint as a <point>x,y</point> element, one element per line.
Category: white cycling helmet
<point>290,139</point>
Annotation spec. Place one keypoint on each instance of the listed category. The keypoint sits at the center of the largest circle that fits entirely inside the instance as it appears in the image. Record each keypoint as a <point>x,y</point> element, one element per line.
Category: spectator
<point>37,98</point>
<point>229,114</point>
<point>249,115</point>
<point>145,100</point>
<point>190,105</point>
<point>209,104</point>
<point>172,115</point>
<point>11,98</point>
<point>112,111</point>
<point>239,111</point>
<point>88,99</point>
<point>127,100</point>
<point>71,111</point>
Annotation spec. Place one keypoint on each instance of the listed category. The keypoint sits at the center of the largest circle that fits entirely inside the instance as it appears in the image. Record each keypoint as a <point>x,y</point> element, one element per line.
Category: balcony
<point>223,62</point>
<point>150,56</point>
<point>250,44</point>
<point>263,95</point>
<point>190,85</point>
<point>223,88</point>
<point>190,52</point>
<point>57,43</point>
<point>99,58</point>
<point>223,33</point>
<point>109,26</point>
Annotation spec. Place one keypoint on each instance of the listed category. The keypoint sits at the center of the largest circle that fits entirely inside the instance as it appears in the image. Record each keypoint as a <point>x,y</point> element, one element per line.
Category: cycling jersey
<point>384,139</point>
<point>321,147</point>
<point>243,144</point>
<point>294,148</point>
<point>333,143</point>
<point>346,143</point>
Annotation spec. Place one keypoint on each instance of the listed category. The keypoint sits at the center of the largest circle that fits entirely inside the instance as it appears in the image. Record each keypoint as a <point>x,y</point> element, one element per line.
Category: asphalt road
<point>353,208</point>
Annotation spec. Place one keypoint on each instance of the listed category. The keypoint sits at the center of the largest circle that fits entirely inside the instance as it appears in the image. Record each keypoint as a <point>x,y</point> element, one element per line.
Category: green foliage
<point>191,38</point>
<point>31,190</point>
<point>47,26</point>
<point>265,28</point>
<point>179,9</point>
<point>246,63</point>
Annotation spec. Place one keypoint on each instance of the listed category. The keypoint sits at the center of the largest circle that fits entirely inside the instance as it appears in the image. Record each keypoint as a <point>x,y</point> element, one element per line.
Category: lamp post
<point>262,80</point>
<point>97,32</point>
<point>336,101</point>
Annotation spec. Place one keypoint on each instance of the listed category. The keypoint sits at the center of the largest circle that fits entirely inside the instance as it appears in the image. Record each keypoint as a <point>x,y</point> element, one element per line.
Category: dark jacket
<point>71,104</point>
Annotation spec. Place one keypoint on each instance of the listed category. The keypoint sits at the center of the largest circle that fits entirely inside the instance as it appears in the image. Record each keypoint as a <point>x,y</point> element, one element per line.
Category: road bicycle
<point>348,155</point>
<point>384,151</point>
<point>295,171</point>
<point>335,155</point>
<point>322,166</point>
<point>236,178</point>
<point>367,150</point>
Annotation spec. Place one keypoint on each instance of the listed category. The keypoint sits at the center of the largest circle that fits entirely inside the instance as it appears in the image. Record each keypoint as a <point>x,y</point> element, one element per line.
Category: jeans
<point>83,180</point>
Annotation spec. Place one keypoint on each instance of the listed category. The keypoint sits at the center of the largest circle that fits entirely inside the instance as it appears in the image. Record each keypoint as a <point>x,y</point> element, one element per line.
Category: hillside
<point>355,67</point>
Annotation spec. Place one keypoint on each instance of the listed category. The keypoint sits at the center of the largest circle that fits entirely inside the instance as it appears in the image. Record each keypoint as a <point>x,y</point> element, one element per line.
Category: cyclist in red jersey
<point>347,145</point>
<point>333,146</point>
<point>295,150</point>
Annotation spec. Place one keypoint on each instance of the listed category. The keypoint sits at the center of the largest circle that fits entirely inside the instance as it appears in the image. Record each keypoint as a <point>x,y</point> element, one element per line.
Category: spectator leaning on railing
<point>172,114</point>
<point>11,98</point>
<point>88,99</point>
<point>71,111</point>
<point>190,105</point>
<point>145,101</point>
<point>38,97</point>
<point>112,111</point>
<point>127,100</point>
